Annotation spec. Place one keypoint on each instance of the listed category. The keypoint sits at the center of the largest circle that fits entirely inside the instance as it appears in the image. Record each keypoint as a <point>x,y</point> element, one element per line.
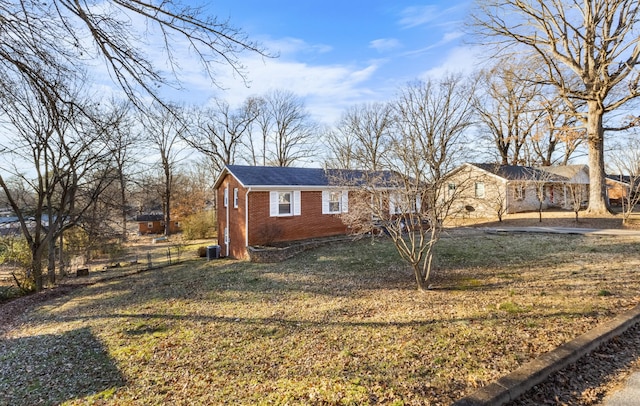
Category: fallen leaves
<point>321,328</point>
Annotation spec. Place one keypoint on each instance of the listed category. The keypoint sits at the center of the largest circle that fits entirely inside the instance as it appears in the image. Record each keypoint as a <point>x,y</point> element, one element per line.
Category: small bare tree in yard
<point>576,197</point>
<point>539,179</point>
<point>498,200</point>
<point>410,200</point>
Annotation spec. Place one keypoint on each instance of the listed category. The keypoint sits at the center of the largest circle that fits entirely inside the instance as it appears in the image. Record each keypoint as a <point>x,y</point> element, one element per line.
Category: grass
<point>342,324</point>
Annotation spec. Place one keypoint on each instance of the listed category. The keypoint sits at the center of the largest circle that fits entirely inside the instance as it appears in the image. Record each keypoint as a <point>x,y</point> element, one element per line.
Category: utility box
<point>213,252</point>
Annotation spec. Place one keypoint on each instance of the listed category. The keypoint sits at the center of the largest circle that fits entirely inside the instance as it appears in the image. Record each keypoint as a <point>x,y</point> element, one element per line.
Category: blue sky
<point>338,53</point>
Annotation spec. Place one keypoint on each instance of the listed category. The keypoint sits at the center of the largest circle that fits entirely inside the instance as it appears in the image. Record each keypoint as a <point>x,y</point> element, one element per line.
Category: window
<point>480,189</point>
<point>284,203</point>
<point>334,202</point>
<point>235,198</point>
<point>395,203</point>
<point>451,189</point>
<point>518,192</point>
<point>150,225</point>
<point>226,197</point>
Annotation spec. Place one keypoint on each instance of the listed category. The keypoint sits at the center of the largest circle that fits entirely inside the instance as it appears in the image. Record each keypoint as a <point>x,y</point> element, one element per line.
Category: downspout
<point>246,218</point>
<point>227,239</point>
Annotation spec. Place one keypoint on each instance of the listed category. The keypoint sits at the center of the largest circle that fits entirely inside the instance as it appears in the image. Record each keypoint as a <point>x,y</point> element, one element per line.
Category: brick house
<point>258,205</point>
<point>618,188</point>
<point>154,224</point>
<point>483,188</point>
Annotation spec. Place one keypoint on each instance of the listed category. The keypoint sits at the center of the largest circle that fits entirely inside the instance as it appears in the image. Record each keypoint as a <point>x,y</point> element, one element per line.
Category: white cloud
<point>418,15</point>
<point>327,89</point>
<point>463,60</point>
<point>384,44</point>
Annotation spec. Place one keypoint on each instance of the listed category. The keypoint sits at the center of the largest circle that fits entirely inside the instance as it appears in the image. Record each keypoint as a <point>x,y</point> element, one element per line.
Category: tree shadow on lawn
<point>49,369</point>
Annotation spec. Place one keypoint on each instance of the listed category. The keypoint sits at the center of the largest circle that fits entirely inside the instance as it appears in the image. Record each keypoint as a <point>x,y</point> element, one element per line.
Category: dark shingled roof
<point>278,176</point>
<point>149,217</point>
<point>516,172</point>
<point>290,176</point>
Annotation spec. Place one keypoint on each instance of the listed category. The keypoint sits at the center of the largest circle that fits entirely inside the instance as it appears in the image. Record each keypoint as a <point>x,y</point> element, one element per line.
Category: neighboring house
<point>258,205</point>
<point>154,224</point>
<point>10,226</point>
<point>618,187</point>
<point>484,189</point>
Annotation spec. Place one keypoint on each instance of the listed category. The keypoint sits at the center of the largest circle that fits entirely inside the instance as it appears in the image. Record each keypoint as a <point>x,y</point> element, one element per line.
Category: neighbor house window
<point>451,189</point>
<point>149,225</point>
<point>334,202</point>
<point>284,203</point>
<point>480,189</point>
<point>519,192</point>
<point>235,198</point>
<point>226,197</point>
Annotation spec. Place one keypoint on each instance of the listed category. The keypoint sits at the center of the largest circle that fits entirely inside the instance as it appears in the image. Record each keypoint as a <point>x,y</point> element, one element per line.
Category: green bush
<point>9,292</point>
<point>199,225</point>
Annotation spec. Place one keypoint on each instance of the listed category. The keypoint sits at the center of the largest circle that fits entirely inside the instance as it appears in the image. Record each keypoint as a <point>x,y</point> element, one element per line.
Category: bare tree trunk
<point>51,260</point>
<point>595,141</point>
<point>36,267</point>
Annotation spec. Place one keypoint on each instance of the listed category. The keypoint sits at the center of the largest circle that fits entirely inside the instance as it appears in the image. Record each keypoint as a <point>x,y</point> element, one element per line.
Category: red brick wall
<point>311,223</point>
<point>264,229</point>
<point>237,218</point>
<point>158,227</point>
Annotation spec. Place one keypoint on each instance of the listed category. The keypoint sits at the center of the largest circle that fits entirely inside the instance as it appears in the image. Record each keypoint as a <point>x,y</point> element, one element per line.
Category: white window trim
<point>274,203</point>
<point>225,201</point>
<point>479,191</point>
<point>343,203</point>
<point>235,198</point>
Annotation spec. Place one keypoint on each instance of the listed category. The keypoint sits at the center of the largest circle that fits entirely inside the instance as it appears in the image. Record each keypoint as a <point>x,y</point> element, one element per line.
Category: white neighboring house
<point>483,189</point>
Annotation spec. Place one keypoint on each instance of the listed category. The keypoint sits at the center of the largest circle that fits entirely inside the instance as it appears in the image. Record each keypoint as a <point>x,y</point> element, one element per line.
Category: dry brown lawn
<point>342,324</point>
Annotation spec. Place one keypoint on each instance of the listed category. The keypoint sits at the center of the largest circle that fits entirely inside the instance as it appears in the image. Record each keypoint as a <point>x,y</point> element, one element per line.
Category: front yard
<point>342,324</point>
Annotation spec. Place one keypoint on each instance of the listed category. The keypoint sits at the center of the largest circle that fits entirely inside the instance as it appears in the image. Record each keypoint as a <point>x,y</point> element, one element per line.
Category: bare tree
<point>56,152</point>
<point>288,131</point>
<point>576,197</point>
<point>590,52</point>
<point>555,133</point>
<point>364,133</point>
<point>539,179</point>
<point>219,131</point>
<point>431,119</point>
<point>68,35</point>
<point>342,149</point>
<point>123,138</point>
<point>508,107</point>
<point>258,134</point>
<point>165,128</point>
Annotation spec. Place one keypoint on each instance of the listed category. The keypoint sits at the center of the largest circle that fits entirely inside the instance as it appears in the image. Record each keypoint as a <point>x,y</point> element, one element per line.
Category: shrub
<point>199,225</point>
